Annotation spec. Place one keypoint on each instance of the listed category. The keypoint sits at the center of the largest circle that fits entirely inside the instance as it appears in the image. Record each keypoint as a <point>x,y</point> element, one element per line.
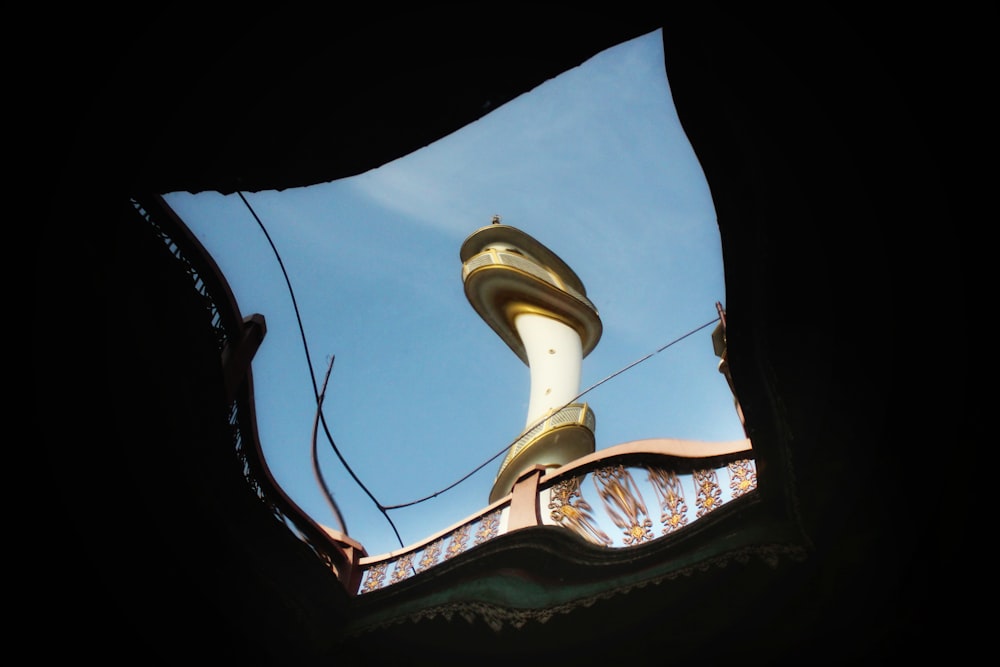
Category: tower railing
<point>574,414</point>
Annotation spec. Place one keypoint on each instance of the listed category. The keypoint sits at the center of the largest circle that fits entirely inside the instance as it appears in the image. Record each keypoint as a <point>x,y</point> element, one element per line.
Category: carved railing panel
<point>381,571</point>
<point>616,498</point>
<point>640,503</point>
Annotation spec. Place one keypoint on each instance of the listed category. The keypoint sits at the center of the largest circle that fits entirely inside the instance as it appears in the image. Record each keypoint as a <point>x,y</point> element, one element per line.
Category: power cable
<point>565,405</point>
<point>312,377</point>
<point>315,454</point>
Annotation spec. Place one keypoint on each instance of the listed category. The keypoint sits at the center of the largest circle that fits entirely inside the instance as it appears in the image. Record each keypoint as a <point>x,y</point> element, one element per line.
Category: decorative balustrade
<point>617,497</point>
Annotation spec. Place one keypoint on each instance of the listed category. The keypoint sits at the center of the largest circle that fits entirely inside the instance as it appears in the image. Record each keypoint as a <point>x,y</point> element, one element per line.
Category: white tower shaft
<point>555,355</point>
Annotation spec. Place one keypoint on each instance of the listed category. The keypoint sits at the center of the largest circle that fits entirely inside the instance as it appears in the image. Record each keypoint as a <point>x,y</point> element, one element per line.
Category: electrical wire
<point>312,376</point>
<point>315,454</point>
<point>565,405</point>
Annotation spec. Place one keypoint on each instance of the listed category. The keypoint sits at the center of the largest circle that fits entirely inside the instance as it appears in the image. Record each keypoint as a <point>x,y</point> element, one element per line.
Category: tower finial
<point>496,219</point>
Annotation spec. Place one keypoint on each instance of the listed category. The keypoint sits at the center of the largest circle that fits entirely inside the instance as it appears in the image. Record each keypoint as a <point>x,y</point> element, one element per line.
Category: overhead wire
<point>312,376</point>
<point>540,421</point>
<point>315,454</point>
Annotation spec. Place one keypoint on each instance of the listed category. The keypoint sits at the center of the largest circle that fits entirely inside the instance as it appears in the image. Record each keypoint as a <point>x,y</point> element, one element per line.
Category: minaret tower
<point>539,308</point>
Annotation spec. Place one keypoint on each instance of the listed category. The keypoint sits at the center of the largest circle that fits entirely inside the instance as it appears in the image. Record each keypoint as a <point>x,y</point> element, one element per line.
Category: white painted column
<point>555,356</point>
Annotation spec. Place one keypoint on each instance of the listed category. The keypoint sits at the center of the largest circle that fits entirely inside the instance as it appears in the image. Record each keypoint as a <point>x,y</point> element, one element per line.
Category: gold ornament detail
<point>709,493</point>
<point>623,503</point>
<point>403,569</point>
<point>742,477</point>
<point>489,527</point>
<point>458,541</point>
<point>568,508</point>
<point>376,577</point>
<point>670,496</point>
<point>431,555</point>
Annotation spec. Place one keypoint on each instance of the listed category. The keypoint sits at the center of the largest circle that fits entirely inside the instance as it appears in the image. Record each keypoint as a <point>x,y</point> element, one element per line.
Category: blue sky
<point>594,164</point>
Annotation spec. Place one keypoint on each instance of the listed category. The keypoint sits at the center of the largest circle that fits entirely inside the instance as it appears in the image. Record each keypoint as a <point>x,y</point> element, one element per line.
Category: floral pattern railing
<point>625,517</point>
<point>615,498</point>
<point>391,570</point>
